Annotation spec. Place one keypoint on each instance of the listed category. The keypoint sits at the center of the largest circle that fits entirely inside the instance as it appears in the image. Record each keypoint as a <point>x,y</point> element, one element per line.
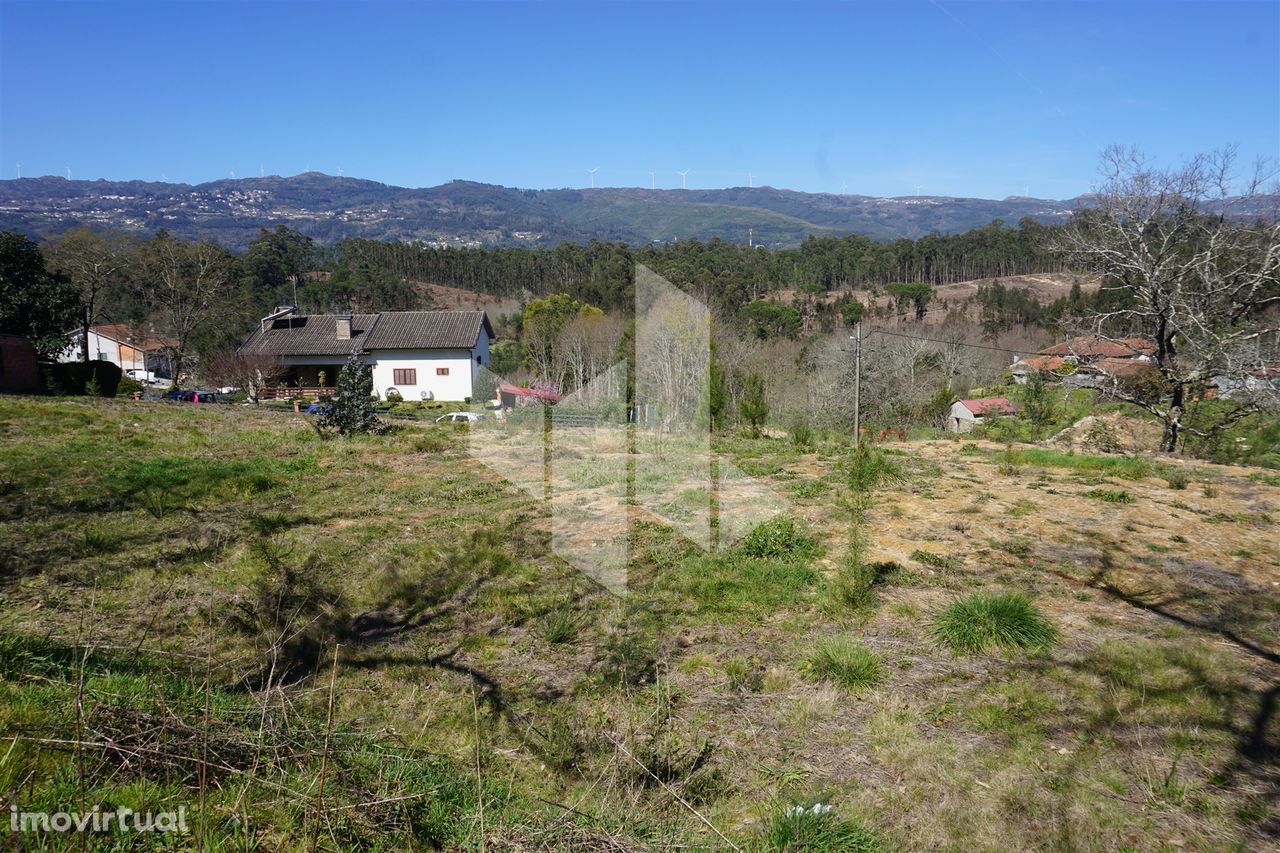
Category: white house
<point>422,355</point>
<point>116,343</point>
<point>967,414</point>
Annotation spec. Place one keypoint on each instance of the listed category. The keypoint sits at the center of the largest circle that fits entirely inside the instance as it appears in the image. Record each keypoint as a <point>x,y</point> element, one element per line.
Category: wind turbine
<point>339,171</point>
<point>653,181</point>
<point>233,174</point>
<point>68,173</point>
<point>592,173</point>
<point>917,190</point>
<point>262,172</point>
<point>844,188</point>
<point>751,180</point>
<point>19,170</point>
<point>684,179</point>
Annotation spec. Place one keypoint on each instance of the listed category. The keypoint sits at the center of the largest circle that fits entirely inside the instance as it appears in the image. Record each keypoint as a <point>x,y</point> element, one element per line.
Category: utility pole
<point>857,382</point>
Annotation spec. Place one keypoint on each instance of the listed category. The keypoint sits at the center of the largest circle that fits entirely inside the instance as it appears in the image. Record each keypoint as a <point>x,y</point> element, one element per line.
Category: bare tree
<point>1194,259</point>
<point>95,263</point>
<point>249,372</point>
<point>585,349</point>
<point>187,286</point>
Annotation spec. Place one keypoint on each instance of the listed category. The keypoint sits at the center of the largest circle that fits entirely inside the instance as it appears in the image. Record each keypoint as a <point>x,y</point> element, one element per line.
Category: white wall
<point>960,419</point>
<point>453,388</point>
<point>99,348</point>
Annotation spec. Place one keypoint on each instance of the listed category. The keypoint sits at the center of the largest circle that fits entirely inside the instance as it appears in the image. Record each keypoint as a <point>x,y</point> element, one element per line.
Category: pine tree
<point>753,407</point>
<point>351,411</point>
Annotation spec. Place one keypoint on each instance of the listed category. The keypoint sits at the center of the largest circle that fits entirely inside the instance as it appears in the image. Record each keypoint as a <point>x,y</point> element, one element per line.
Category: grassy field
<point>368,644</point>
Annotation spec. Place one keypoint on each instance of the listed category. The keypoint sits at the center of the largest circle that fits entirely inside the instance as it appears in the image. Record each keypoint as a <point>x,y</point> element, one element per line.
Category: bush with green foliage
<point>97,378</point>
<point>780,538</point>
<point>1006,620</point>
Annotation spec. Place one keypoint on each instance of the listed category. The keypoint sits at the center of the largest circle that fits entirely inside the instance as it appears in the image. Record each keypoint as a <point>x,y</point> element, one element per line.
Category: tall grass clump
<point>801,830</point>
<point>846,662</point>
<point>801,434</point>
<point>1006,620</point>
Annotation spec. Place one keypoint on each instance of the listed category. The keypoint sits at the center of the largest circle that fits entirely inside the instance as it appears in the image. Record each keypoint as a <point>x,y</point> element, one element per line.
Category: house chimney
<point>344,327</point>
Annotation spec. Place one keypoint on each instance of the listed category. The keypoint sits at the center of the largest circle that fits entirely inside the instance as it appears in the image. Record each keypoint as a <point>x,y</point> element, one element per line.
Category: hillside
<point>467,213</point>
<point>952,301</point>
<point>482,694</point>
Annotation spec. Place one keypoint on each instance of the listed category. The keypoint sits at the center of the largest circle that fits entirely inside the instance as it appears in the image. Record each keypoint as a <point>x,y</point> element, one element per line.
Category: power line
<point>949,343</point>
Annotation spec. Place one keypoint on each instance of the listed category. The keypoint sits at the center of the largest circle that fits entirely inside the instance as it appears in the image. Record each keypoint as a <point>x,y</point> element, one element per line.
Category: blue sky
<point>949,98</point>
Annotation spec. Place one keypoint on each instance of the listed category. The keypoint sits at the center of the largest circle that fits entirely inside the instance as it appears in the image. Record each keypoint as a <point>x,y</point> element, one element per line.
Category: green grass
<point>937,561</point>
<point>804,831</point>
<point>1111,496</point>
<point>1125,467</point>
<point>468,642</point>
<point>845,662</point>
<point>984,621</point>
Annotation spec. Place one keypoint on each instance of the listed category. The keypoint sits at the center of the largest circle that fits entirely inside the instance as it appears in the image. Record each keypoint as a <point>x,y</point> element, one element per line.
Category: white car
<point>146,377</point>
<point>460,418</point>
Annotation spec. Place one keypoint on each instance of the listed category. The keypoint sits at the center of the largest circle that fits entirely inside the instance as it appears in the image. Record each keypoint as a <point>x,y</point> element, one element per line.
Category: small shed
<point>510,396</point>
<point>966,414</point>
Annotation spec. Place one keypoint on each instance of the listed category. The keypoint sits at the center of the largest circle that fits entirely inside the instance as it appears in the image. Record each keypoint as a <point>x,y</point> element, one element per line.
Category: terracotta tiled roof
<point>534,393</point>
<point>1092,346</point>
<point>1122,366</point>
<point>989,406</point>
<point>121,333</point>
<point>1042,362</point>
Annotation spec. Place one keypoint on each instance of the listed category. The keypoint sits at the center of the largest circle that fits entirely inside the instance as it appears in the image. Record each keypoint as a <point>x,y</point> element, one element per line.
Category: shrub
<point>846,662</point>
<point>1006,620</point>
<point>1111,496</point>
<point>781,537</point>
<point>1177,479</point>
<point>99,378</point>
<point>129,386</point>
<point>394,396</point>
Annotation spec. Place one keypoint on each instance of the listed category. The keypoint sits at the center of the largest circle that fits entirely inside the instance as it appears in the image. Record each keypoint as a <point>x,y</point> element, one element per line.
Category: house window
<point>442,371</point>
<point>405,377</point>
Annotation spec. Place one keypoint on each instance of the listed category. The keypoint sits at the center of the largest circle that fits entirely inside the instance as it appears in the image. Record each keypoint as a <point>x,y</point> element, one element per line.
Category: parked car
<point>146,377</point>
<point>190,396</point>
<point>319,408</point>
<point>460,418</point>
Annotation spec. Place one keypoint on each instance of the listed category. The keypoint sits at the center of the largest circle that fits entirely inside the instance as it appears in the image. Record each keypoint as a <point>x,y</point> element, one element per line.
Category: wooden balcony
<point>290,392</point>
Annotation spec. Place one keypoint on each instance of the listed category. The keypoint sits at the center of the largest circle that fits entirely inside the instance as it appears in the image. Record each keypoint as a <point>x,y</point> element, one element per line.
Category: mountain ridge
<point>470,213</point>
